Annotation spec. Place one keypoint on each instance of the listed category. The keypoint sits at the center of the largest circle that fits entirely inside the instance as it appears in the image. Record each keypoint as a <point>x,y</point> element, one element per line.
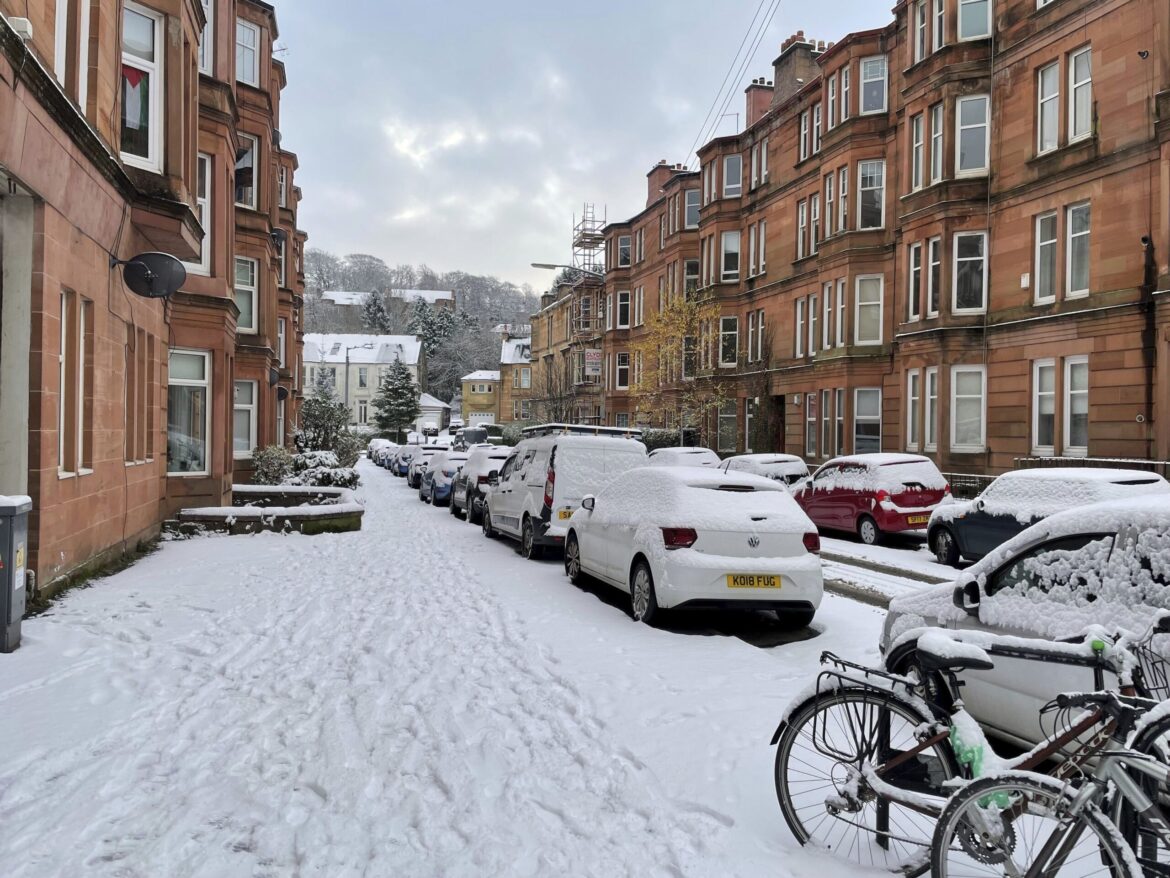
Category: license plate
<point>917,519</point>
<point>564,514</point>
<point>752,580</point>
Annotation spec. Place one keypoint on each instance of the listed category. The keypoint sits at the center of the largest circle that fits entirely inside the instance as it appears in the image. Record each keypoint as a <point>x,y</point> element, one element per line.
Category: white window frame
<point>61,41</point>
<point>1069,237</point>
<point>698,206</point>
<point>281,264</point>
<point>939,35</point>
<point>937,142</point>
<point>930,409</point>
<point>842,286</point>
<point>1075,86</point>
<point>206,385</point>
<point>843,199</point>
<point>913,406</point>
<point>845,108</point>
<point>830,203</point>
<point>801,228</point>
<point>629,248</point>
<point>814,222</point>
<point>752,250</point>
<point>726,276</point>
<point>623,298</point>
<point>975,36</point>
<point>981,445</point>
<point>831,103</point>
<point>817,117</point>
<point>933,258</point>
<point>919,30</point>
<point>281,339</point>
<point>733,335</point>
<point>203,203</point>
<point>814,311</point>
<point>1038,449</point>
<point>986,260</point>
<point>884,79</point>
<point>917,152</point>
<point>153,161</point>
<point>763,239</point>
<point>732,185</point>
<point>827,316</point>
<point>255,172</point>
<point>751,337</point>
<point>617,371</point>
<point>248,76</point>
<point>1067,392</point>
<point>861,188</point>
<point>798,335</point>
<point>914,287</point>
<point>207,39</point>
<point>282,187</point>
<point>1041,242</point>
<point>764,161</point>
<point>252,410</point>
<point>857,391</point>
<point>858,305</point>
<point>1048,135</point>
<point>981,169</point>
<point>253,290</point>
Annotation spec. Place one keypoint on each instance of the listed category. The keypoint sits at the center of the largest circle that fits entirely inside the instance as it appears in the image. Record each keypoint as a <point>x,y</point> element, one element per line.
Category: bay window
<point>732,176</point>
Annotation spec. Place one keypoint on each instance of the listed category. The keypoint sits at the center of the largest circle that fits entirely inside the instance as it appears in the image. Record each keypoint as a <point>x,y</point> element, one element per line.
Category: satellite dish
<point>153,275</point>
<point>282,393</point>
<point>273,377</point>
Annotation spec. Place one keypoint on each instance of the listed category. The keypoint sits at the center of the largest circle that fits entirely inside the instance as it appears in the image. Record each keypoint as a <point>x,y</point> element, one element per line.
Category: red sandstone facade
<point>956,241</point>
<point>121,127</point>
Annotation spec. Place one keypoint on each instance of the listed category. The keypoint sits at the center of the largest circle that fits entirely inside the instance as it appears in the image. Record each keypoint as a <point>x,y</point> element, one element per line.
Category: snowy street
<point>410,700</point>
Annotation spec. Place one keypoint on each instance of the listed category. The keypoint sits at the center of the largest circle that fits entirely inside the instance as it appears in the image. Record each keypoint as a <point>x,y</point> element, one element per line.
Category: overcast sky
<point>465,135</point>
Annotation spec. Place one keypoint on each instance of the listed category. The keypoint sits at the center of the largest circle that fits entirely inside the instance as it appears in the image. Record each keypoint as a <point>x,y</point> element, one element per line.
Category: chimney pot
<point>800,34</point>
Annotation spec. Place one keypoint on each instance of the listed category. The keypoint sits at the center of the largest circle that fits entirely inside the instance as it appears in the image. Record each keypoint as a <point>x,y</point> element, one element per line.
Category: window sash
<point>246,289</point>
<point>913,407</point>
<point>867,414</point>
<point>914,291</point>
<point>203,180</point>
<point>917,150</point>
<point>972,135</point>
<point>247,161</point>
<point>728,342</point>
<point>974,19</point>
<point>968,410</point>
<point>729,262</point>
<point>188,401</point>
<point>936,143</point>
<point>970,275</point>
<point>244,415</point>
<point>933,276</point>
<point>1046,247</point>
<point>845,108</point>
<point>732,176</point>
<point>841,287</point>
<point>247,53</point>
<point>152,77</point>
<point>1080,94</point>
<point>1048,108</point>
<point>874,75</point>
<point>1044,407</point>
<point>1076,406</point>
<point>207,39</point>
<point>1078,228</point>
<point>867,311</point>
<point>930,411</point>
<point>939,27</point>
<point>623,310</point>
<point>798,335</point>
<point>871,194</point>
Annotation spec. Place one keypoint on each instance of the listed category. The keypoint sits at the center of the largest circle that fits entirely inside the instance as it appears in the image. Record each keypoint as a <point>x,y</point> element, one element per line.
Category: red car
<point>872,494</point>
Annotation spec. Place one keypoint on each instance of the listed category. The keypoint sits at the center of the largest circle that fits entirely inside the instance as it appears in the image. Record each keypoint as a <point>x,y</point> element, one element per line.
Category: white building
<point>368,356</point>
<point>432,411</point>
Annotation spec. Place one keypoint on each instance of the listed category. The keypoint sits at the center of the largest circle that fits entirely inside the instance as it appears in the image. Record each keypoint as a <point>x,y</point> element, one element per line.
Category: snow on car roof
<point>706,477</point>
<point>1083,474</point>
<point>769,458</point>
<point>880,459</point>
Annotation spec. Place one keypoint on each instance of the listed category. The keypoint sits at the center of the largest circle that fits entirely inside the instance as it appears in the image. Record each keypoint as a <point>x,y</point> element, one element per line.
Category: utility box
<point>13,557</point>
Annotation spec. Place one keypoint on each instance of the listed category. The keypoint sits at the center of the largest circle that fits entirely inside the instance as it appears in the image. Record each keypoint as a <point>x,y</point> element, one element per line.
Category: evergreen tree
<point>396,404</point>
<point>375,316</point>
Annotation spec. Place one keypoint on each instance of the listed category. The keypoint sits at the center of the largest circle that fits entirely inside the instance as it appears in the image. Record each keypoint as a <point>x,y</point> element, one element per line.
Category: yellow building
<point>481,398</point>
<point>516,380</point>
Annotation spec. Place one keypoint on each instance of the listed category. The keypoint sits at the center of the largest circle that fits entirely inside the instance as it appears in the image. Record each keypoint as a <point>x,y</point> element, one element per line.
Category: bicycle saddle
<point>939,652</point>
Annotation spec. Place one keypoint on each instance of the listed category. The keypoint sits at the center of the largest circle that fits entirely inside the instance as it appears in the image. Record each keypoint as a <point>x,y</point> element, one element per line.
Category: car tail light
<point>549,483</point>
<point>812,543</point>
<point>882,496</point>
<point>679,537</point>
<point>946,489</point>
<point>481,479</point>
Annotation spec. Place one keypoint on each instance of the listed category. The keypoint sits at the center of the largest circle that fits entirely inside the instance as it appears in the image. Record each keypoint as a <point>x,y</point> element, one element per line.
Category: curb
<point>924,578</point>
<point>856,593</point>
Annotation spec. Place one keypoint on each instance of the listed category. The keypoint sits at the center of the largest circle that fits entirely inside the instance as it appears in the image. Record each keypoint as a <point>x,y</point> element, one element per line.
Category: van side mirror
<point>979,504</point>
<point>588,502</point>
<point>1162,625</point>
<point>966,597</point>
<point>494,477</point>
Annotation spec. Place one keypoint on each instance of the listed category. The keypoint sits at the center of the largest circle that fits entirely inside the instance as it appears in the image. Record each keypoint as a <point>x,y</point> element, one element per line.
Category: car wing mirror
<point>588,502</point>
<point>967,596</point>
<point>494,477</point>
<point>1162,625</point>
<point>979,504</point>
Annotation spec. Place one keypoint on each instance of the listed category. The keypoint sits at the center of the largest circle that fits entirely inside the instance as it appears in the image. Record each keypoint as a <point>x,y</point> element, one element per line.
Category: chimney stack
<point>796,66</point>
<point>657,179</point>
<point>759,100</point>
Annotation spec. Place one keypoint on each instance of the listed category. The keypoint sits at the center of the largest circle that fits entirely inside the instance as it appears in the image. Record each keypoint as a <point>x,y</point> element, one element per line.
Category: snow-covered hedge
<point>325,477</point>
<point>654,438</point>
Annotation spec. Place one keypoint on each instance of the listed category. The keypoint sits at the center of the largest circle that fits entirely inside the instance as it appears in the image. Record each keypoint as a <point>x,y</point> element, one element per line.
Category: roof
<point>430,296</point>
<point>330,347</point>
<point>345,297</point>
<point>426,401</point>
<point>516,351</point>
<point>513,329</point>
<point>482,375</point>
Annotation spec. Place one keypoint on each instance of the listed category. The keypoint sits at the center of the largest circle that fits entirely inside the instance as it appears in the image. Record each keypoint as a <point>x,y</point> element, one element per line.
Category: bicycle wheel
<point>1018,824</point>
<point>825,799</point>
<point>1152,853</point>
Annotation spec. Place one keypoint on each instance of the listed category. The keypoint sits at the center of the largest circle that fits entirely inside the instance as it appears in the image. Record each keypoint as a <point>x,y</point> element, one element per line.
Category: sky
<point>468,135</point>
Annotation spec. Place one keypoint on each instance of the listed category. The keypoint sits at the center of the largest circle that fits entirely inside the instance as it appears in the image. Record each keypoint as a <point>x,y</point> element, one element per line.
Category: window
<point>1043,407</point>
<point>362,410</point>
<point>749,415</point>
<point>280,420</point>
<point>814,313</point>
<point>142,87</point>
<point>623,251</point>
<point>61,41</point>
<point>623,309</point>
<point>282,187</point>
<point>730,244</point>
<point>640,240</point>
<point>608,315</point>
<point>968,408</point>
<point>690,351</point>
<point>691,276</point>
<point>247,53</point>
<point>867,420</point>
<point>640,301</point>
<point>810,425</point>
<point>526,378</point>
<point>913,408</point>
<point>839,442</point>
<point>798,336</point>
<point>914,292</point>
<point>804,135</point>
<point>244,419</point>
<point>919,30</point>
<point>281,265</point>
<point>763,248</point>
<point>873,84</point>
<point>280,341</point>
<point>845,109</point>
<point>867,315</point>
<point>207,39</point>
<point>623,371</point>
<point>843,194</point>
<point>871,192</point>
<point>245,291</point>
<point>934,276</point>
<point>1077,221</point>
<point>917,151</point>
<point>732,176</point>
<point>662,232</point>
<point>751,338</point>
<point>188,412</point>
<point>940,22</point>
<point>1048,108</point>
<point>816,129</point>
<point>752,250</point>
<point>1080,94</point>
<point>75,385</point>
<point>830,205</point>
<point>974,19</point>
<point>831,104</point>
<point>930,420</point>
<point>814,221</point>
<point>1045,289</point>
<point>972,121</point>
<point>936,143</point>
<point>826,423</point>
<point>727,425</point>
<point>801,228</point>
<point>246,171</point>
<point>203,211</point>
<point>827,316</point>
<point>363,376</point>
<point>1076,406</point>
<point>764,161</point>
<point>970,285</point>
<point>841,313</point>
<point>140,404</point>
<point>692,210</point>
<point>728,341</point>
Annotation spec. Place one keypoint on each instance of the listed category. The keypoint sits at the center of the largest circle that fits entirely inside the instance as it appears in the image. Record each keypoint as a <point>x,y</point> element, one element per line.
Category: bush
<point>324,477</point>
<point>270,465</point>
<point>494,430</point>
<point>348,448</point>
<point>314,459</point>
<point>657,438</point>
<point>322,423</point>
<point>511,434</point>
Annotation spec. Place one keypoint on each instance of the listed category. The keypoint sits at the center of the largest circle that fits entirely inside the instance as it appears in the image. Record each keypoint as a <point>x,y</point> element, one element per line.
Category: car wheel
<point>488,530</point>
<point>573,560</point>
<point>643,601</point>
<point>945,546</point>
<point>794,620</point>
<point>473,516</point>
<point>451,507</point>
<point>528,547</point>
<point>867,530</point>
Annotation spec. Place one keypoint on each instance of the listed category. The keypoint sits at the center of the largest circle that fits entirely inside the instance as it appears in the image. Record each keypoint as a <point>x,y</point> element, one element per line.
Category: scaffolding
<point>586,313</point>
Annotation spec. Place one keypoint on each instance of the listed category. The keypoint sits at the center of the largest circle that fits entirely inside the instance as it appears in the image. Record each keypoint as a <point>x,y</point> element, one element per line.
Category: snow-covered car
<point>455,424</point>
<point>680,456</point>
<point>471,483</point>
<point>435,487</point>
<point>873,494</point>
<point>400,463</point>
<point>788,469</point>
<point>1106,564</point>
<point>420,461</point>
<point>685,537</point>
<point>547,474</point>
<point>1016,500</point>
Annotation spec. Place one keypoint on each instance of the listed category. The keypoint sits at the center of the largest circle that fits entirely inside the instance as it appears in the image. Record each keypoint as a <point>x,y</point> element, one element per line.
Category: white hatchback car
<point>788,469</point>
<point>681,456</point>
<point>682,537</point>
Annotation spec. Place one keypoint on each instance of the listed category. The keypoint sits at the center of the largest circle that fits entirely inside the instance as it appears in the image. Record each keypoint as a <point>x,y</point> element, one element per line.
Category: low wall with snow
<point>277,508</point>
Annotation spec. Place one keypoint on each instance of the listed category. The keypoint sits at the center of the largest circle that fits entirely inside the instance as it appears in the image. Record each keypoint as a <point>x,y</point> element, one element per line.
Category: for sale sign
<point>593,363</point>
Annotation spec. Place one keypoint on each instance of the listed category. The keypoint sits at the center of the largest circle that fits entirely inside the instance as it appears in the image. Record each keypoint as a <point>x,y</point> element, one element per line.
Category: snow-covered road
<point>410,700</point>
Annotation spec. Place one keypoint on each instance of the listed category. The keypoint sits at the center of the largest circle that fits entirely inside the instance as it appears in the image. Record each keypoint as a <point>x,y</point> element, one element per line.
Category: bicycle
<point>864,759</point>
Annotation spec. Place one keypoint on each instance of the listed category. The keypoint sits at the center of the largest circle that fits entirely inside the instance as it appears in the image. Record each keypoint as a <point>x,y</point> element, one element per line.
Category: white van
<point>542,482</point>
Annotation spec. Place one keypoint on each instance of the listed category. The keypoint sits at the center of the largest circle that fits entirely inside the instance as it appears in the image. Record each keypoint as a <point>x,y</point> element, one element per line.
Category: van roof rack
<point>580,430</point>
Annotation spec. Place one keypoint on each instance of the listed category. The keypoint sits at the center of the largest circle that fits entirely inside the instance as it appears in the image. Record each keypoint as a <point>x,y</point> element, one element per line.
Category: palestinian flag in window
<point>135,111</point>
